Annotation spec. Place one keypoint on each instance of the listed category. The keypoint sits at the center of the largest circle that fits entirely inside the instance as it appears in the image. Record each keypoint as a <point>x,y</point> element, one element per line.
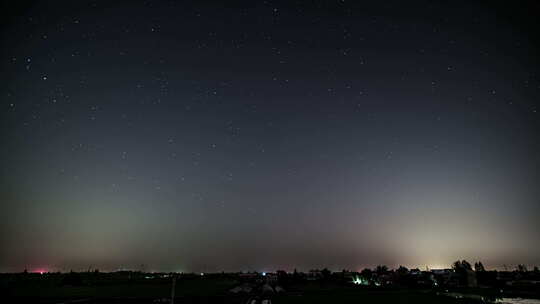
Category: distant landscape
<point>462,283</point>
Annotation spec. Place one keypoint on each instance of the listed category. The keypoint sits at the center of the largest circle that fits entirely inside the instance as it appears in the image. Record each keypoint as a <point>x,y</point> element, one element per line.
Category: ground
<point>205,290</point>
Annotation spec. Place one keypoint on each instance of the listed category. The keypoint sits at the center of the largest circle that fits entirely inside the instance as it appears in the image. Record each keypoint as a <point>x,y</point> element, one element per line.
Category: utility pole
<point>173,288</point>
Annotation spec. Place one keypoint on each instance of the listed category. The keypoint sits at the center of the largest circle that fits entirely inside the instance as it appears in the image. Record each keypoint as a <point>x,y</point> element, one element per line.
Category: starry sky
<point>264,135</point>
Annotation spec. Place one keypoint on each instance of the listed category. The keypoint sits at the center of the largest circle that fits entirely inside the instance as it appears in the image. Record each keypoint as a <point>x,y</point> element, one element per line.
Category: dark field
<point>58,289</point>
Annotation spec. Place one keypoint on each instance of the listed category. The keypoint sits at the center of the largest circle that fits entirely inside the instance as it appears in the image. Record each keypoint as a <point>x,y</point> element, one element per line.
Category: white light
<point>264,274</point>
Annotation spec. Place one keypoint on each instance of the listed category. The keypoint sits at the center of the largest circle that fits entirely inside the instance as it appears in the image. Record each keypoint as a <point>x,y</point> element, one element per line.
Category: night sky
<point>262,135</point>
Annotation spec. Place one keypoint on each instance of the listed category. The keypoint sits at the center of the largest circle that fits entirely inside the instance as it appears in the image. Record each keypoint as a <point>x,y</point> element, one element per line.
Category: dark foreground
<point>62,288</point>
<point>159,294</point>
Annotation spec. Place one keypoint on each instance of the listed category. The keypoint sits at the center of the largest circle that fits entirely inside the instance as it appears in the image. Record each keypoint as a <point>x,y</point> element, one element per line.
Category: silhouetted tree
<point>478,266</point>
<point>402,276</point>
<point>367,274</point>
<point>282,277</point>
<point>521,268</point>
<point>381,269</point>
<point>462,269</point>
<point>402,270</point>
<point>461,265</point>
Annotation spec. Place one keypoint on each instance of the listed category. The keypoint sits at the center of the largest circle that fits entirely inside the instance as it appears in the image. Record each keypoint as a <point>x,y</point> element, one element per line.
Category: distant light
<point>41,272</point>
<point>264,274</point>
<point>360,281</point>
<point>202,273</point>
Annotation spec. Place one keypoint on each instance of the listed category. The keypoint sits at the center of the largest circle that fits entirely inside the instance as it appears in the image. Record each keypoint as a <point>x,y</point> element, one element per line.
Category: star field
<point>265,135</point>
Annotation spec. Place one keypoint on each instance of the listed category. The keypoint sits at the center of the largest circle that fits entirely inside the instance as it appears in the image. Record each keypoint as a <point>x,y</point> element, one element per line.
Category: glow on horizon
<point>40,270</point>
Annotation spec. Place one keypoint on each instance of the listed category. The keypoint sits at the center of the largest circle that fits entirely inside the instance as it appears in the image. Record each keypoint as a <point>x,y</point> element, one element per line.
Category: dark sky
<point>268,135</point>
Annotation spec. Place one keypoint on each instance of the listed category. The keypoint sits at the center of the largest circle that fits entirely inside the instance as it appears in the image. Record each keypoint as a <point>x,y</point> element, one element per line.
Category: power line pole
<point>173,289</point>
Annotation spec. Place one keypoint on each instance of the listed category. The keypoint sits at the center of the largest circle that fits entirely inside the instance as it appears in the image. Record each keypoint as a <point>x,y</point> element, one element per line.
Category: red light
<point>40,271</point>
